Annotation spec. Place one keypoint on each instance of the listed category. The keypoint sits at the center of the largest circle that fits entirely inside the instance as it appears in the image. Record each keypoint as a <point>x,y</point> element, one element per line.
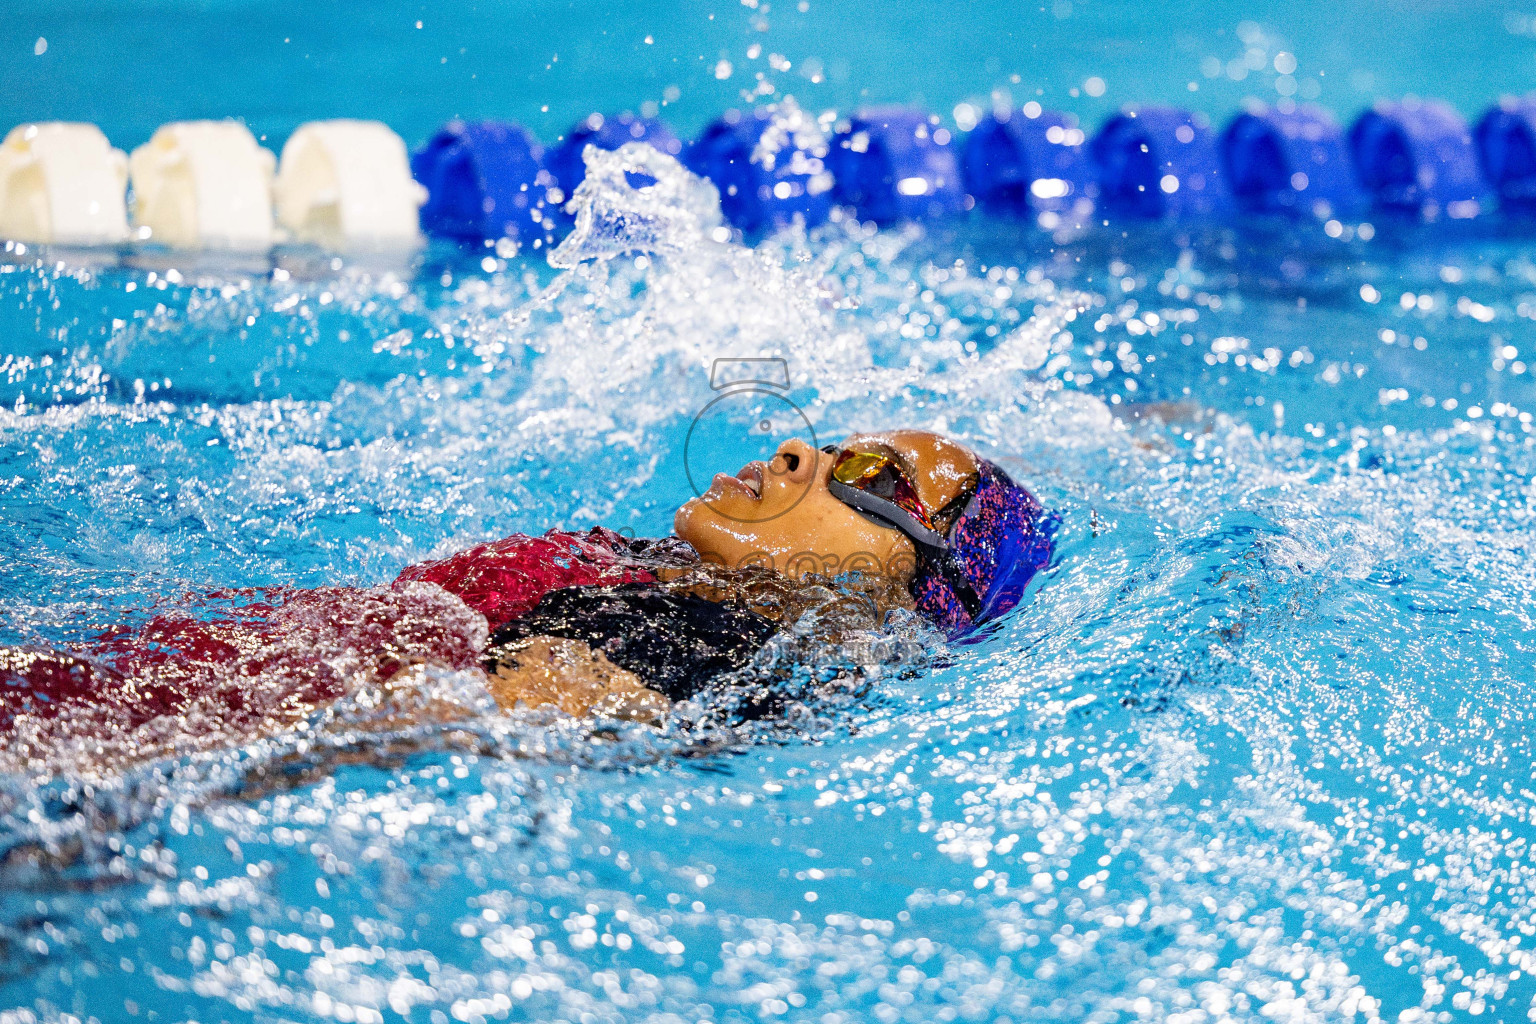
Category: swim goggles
<point>875,485</point>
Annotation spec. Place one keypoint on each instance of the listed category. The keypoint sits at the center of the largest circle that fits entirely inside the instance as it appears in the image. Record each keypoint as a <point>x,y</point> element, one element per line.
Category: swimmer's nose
<point>795,461</point>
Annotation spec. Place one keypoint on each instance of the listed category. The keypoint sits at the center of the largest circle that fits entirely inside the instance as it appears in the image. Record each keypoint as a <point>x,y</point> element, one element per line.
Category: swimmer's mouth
<point>749,481</point>
<point>752,475</point>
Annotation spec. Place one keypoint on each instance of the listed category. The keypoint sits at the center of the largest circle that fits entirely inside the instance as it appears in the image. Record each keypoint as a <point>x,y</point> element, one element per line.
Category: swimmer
<point>589,623</point>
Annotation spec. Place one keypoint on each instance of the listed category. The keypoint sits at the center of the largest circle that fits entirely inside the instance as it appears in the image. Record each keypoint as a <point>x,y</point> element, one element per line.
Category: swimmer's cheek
<point>571,676</point>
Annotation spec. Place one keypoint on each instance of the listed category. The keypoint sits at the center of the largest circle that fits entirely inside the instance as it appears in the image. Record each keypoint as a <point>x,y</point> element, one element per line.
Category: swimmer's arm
<point>569,675</point>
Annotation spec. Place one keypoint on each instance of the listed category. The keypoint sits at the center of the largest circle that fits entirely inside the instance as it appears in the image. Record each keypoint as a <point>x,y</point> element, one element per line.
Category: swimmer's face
<point>780,515</point>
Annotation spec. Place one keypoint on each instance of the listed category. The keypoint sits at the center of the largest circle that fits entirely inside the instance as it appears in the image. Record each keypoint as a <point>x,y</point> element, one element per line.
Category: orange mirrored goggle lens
<point>880,475</point>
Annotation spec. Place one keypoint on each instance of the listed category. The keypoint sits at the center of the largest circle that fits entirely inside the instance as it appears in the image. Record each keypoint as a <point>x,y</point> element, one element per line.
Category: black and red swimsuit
<point>584,587</point>
<point>263,650</point>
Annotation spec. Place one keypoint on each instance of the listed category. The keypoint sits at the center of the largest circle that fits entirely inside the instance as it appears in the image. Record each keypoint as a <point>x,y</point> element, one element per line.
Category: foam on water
<point>1256,748</point>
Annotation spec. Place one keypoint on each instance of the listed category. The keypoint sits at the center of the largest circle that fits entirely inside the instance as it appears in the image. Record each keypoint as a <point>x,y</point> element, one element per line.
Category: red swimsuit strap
<point>505,578</point>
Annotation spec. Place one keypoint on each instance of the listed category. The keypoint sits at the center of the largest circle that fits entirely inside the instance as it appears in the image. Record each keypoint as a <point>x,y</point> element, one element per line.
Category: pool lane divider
<point>1506,140</point>
<point>347,184</point>
<point>1506,150</point>
<point>352,184</point>
<point>340,184</point>
<point>1031,162</point>
<point>1159,163</point>
<point>1418,159</point>
<point>564,161</point>
<point>894,165</point>
<point>62,182</point>
<point>483,179</point>
<point>770,168</point>
<point>203,183</point>
<point>1293,162</point>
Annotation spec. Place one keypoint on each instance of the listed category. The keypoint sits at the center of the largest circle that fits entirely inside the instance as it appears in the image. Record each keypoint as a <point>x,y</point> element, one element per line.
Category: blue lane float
<point>1506,150</point>
<point>1417,159</point>
<point>484,180</point>
<point>1292,161</point>
<point>564,161</point>
<point>1156,163</point>
<point>775,165</point>
<point>770,168</point>
<point>1026,162</point>
<point>894,165</point>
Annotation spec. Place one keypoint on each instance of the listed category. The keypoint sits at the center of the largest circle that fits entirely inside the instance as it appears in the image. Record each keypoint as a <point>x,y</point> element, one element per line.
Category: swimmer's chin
<point>683,519</point>
<point>691,524</point>
<point>696,523</point>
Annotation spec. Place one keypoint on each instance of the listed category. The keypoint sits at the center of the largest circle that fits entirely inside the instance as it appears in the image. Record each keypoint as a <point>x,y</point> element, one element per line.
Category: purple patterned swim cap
<point>1000,541</point>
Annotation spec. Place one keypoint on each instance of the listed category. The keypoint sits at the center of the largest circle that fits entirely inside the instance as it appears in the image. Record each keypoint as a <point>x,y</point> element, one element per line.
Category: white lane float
<point>203,184</point>
<point>348,184</point>
<point>62,183</point>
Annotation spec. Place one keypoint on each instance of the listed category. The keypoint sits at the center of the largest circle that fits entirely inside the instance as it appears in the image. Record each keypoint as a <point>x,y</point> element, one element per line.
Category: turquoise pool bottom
<point>1257,746</point>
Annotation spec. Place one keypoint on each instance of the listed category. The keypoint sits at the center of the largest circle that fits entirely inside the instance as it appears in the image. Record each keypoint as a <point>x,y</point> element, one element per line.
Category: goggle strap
<point>943,561</point>
<point>887,512</point>
<point>947,567</point>
<point>964,501</point>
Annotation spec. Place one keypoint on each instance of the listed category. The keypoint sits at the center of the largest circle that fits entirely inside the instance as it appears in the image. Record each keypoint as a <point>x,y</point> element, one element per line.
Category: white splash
<point>615,213</point>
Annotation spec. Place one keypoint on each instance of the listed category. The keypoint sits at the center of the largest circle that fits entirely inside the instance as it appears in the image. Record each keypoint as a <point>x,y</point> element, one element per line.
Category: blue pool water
<point>1257,748</point>
<point>132,65</point>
